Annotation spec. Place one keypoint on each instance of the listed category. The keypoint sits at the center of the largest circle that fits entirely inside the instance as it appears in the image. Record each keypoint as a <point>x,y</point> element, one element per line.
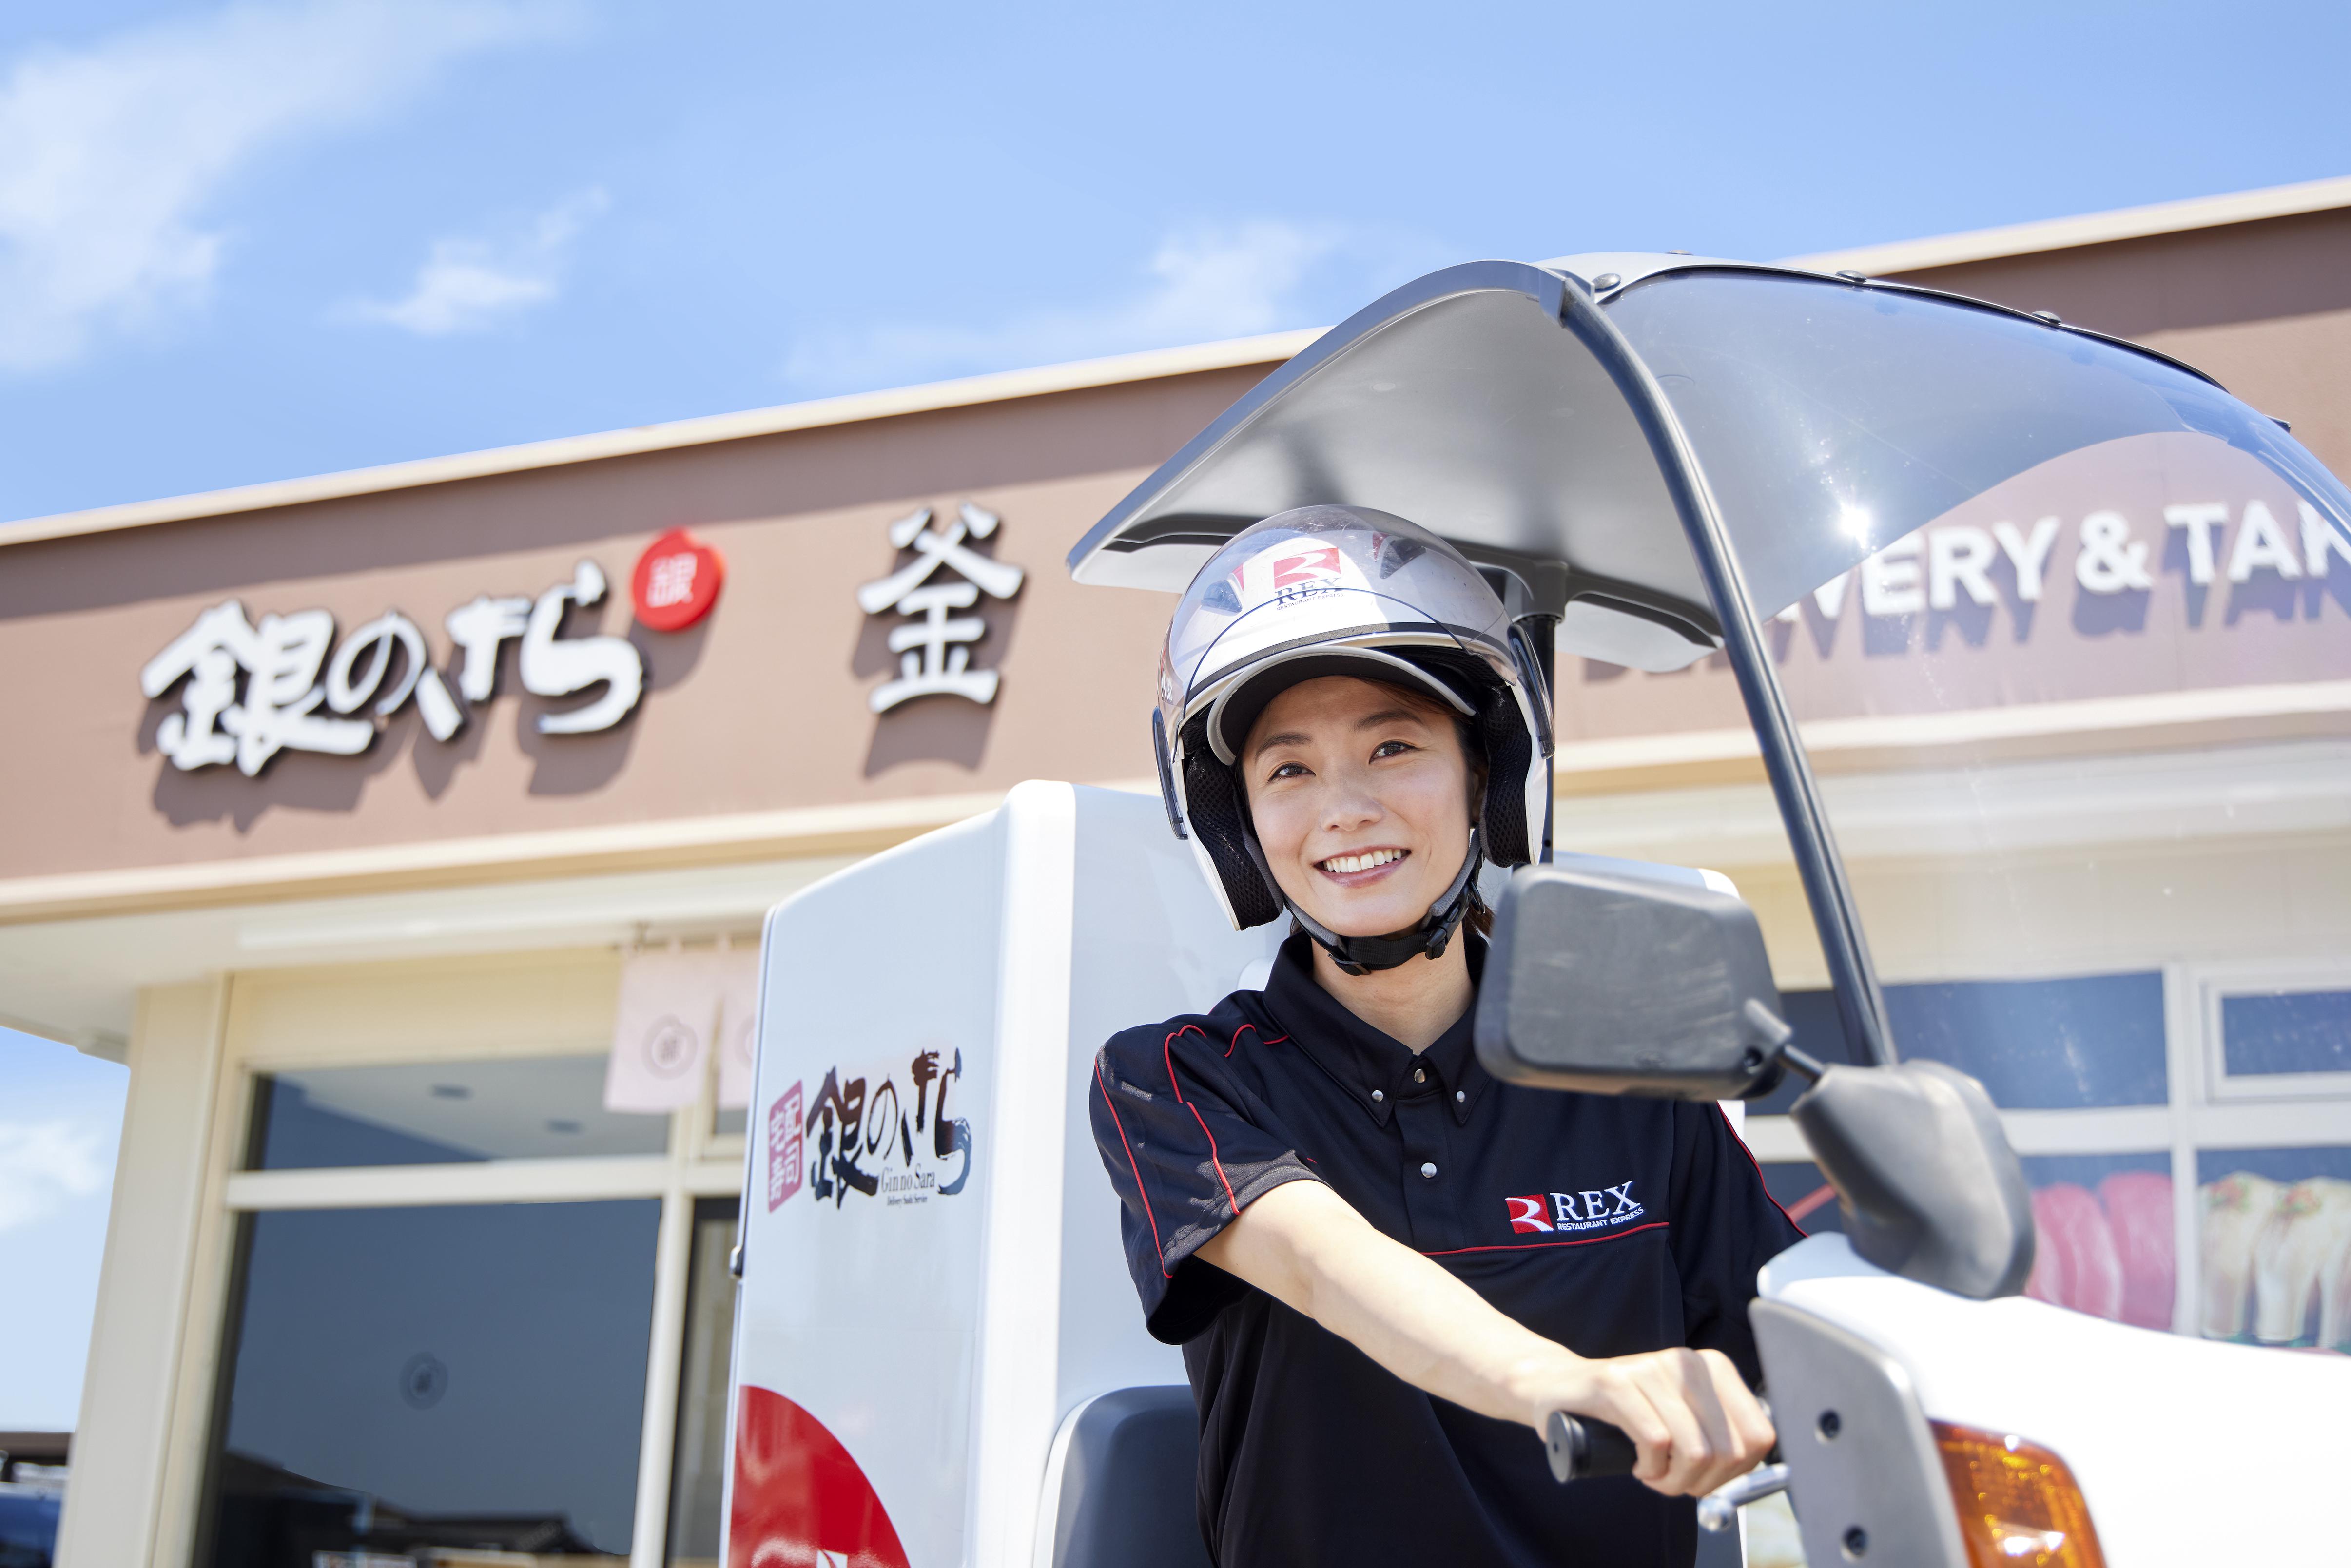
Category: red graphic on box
<point>1311,566</point>
<point>784,1148</point>
<point>676,581</point>
<point>799,1498</point>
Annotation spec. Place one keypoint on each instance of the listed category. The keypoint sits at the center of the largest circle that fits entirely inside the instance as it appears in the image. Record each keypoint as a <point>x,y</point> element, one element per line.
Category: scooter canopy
<point>1578,423</point>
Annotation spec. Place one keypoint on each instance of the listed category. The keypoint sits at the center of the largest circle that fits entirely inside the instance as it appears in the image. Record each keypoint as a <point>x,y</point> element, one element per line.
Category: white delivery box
<point>932,1288</point>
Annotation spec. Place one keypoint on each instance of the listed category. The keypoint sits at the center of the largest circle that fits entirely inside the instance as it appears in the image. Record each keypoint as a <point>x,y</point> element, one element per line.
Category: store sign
<point>253,690</point>
<point>1933,568</point>
<point>934,652</point>
<point>2137,568</point>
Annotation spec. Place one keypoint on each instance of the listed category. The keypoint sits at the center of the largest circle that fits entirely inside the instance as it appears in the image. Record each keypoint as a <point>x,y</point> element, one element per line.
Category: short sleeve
<point>1726,1227</point>
<point>1188,1147</point>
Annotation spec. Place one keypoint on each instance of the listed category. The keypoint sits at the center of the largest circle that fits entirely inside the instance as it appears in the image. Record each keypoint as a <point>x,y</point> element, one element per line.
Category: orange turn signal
<point>2018,1506</point>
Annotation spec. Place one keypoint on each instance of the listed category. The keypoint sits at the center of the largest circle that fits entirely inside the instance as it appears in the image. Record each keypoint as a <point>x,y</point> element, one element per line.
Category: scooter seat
<point>1129,1481</point>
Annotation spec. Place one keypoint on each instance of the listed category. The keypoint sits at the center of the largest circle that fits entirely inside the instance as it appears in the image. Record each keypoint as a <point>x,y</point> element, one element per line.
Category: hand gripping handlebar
<point>1579,1447</point>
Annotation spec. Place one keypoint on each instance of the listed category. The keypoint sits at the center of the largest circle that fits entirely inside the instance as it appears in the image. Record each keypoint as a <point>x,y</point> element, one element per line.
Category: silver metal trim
<point>1863,1468</point>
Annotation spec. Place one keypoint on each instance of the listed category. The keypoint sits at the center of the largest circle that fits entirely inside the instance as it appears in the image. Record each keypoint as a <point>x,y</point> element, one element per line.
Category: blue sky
<point>249,242</point>
<point>60,1117</point>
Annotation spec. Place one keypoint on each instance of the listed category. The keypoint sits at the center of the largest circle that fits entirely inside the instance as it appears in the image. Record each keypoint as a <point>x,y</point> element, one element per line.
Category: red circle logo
<point>798,1496</point>
<point>676,581</point>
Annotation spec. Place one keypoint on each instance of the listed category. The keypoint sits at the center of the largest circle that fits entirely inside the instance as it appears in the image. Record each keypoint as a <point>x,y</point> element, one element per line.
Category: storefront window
<point>2274,1034</point>
<point>698,1473</point>
<point>433,1384</point>
<point>2272,1257</point>
<point>541,1107</point>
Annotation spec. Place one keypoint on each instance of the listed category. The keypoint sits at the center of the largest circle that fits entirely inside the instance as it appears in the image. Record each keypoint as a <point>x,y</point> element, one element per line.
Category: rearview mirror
<point>1614,983</point>
<point>1929,1187</point>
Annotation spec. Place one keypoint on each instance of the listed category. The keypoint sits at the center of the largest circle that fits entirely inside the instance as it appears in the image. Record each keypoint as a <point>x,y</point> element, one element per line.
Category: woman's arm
<point>1695,1422</point>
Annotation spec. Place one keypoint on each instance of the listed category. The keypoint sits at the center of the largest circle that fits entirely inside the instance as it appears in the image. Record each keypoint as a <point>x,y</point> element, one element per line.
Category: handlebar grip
<point>1579,1447</point>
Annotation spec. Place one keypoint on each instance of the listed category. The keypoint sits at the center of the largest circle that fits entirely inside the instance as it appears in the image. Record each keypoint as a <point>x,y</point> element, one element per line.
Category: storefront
<point>403,829</point>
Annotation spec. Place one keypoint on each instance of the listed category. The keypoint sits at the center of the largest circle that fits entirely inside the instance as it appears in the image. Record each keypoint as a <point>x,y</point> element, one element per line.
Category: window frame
<point>2215,985</point>
<point>504,1006</point>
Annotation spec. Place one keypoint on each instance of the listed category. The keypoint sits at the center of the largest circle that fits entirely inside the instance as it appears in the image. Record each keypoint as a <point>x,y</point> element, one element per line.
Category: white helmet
<point>1325,590</point>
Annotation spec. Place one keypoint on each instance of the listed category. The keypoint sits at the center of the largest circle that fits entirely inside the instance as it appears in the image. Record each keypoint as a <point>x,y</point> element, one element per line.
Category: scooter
<point>1657,461</point>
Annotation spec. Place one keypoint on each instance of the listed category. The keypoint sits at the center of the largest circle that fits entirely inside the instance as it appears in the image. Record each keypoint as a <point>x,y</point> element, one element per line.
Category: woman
<point>1385,1267</point>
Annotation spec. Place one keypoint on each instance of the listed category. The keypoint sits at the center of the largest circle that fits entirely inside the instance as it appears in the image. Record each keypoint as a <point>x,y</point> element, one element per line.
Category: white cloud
<point>111,155</point>
<point>466,285</point>
<point>44,1164</point>
<point>1202,284</point>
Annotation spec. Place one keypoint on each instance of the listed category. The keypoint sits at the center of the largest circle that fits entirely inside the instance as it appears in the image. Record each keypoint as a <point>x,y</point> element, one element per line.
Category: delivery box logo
<point>857,1135</point>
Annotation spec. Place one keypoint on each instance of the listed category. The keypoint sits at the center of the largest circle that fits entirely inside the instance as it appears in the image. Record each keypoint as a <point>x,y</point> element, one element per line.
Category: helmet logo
<point>1294,570</point>
<point>1307,566</point>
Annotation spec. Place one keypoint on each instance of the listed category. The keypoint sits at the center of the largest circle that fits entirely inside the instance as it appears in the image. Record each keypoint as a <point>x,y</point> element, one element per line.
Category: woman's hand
<point>1694,1421</point>
<point>1686,1411</point>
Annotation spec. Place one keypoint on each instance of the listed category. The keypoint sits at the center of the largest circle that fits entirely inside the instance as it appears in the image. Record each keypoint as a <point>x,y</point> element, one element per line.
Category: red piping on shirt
<point>1276,1039</point>
<point>1759,1169</point>
<point>1157,1252</point>
<point>1216,1161</point>
<point>1523,1246</point>
<point>1167,1055</point>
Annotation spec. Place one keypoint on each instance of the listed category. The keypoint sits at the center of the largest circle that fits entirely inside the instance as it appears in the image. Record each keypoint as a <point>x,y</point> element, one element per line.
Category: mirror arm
<point>1776,1035</point>
<point>1811,1067</point>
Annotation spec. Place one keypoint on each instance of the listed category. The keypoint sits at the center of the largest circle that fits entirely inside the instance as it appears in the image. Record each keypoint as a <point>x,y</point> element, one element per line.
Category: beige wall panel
<point>2132,907</point>
<point>161,1178</point>
<point>2225,902</point>
<point>2008,916</point>
<point>212,1265</point>
<point>2318,898</point>
<point>538,1004</point>
<point>1777,897</point>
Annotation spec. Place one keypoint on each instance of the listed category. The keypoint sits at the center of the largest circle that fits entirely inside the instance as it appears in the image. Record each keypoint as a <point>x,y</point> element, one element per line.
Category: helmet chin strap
<point>1429,937</point>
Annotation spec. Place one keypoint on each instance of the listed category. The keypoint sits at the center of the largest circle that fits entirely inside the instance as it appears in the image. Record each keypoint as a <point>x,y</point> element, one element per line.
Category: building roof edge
<point>999,387</point>
<point>2090,228</point>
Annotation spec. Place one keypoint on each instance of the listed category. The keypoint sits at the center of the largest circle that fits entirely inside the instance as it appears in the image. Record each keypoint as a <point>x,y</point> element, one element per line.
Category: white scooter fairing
<point>2189,1452</point>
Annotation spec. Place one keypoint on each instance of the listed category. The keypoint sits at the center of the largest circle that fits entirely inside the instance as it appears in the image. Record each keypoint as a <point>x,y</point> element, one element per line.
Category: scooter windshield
<point>1833,419</point>
<point>2067,631</point>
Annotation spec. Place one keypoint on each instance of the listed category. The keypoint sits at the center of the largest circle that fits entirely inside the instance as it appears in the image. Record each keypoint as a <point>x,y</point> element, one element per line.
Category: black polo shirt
<point>1609,1225</point>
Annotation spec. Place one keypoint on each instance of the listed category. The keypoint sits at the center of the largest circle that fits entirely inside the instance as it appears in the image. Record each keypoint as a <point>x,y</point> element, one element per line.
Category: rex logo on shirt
<point>1591,1209</point>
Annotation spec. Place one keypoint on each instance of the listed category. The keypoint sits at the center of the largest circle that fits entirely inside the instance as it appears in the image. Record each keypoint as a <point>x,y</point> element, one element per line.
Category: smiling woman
<point>1323,1192</point>
<point>1365,795</point>
<point>1325,592</point>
